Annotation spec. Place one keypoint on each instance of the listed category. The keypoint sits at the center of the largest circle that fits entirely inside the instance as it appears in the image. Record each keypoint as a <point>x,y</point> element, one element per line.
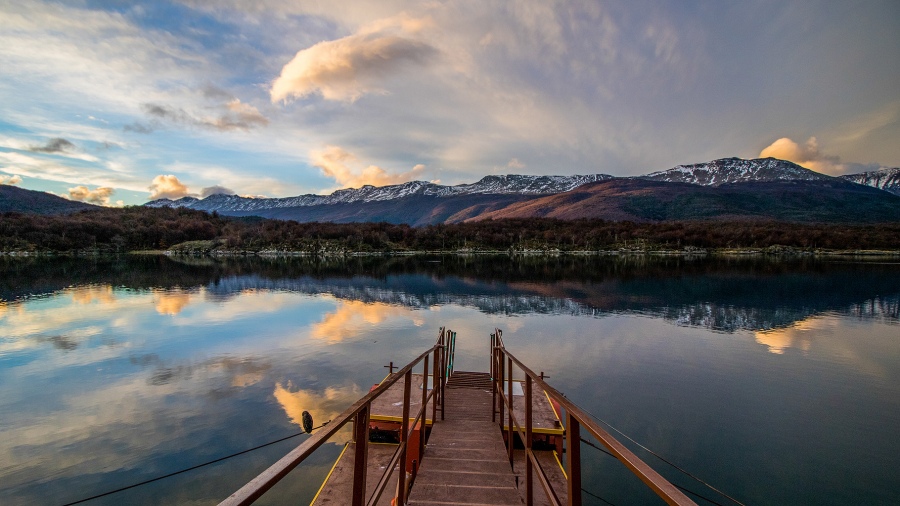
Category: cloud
<point>171,303</point>
<point>807,155</point>
<point>142,128</point>
<point>344,167</point>
<point>100,196</point>
<point>322,406</point>
<point>55,145</point>
<point>346,69</point>
<point>240,115</point>
<point>214,92</point>
<point>353,318</point>
<point>232,115</point>
<point>10,180</point>
<point>216,190</point>
<point>111,175</point>
<point>514,163</point>
<point>167,187</point>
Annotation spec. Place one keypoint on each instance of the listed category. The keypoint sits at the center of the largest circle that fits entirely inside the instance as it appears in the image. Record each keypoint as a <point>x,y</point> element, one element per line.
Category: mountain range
<point>20,200</point>
<point>728,188</point>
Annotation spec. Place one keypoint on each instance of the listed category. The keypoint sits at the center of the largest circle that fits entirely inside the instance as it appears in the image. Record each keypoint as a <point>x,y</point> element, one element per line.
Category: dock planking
<point>466,459</point>
<point>338,486</point>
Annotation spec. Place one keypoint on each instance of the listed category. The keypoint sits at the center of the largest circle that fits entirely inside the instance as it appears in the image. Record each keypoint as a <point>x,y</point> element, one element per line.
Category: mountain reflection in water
<point>778,380</point>
<point>721,294</point>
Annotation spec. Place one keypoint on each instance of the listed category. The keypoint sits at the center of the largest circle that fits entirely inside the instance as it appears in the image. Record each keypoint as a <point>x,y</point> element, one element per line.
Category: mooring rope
<point>220,459</point>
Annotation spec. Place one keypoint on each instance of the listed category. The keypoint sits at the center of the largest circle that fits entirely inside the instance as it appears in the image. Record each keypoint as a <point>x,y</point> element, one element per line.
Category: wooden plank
<point>465,459</point>
<point>550,464</point>
<point>338,487</point>
<point>545,419</point>
<point>389,405</point>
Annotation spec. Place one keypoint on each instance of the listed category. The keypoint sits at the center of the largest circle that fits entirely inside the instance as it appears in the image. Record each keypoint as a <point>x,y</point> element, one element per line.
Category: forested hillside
<point>142,228</point>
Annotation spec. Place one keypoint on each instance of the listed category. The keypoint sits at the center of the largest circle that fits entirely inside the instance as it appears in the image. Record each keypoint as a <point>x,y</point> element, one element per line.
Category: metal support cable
<point>595,496</point>
<point>660,457</point>
<point>220,459</point>
<point>689,491</point>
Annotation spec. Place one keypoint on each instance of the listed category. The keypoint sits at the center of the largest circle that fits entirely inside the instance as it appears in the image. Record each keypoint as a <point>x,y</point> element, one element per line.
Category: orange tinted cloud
<point>348,68</point>
<point>798,336</point>
<point>168,187</point>
<point>100,196</point>
<point>344,167</point>
<point>171,303</point>
<point>323,406</point>
<point>10,180</point>
<point>102,294</point>
<point>807,155</point>
<point>352,318</point>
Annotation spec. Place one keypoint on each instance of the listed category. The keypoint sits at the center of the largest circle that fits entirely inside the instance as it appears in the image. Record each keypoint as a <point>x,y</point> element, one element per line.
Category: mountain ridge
<point>21,200</point>
<point>714,173</point>
<point>493,185</point>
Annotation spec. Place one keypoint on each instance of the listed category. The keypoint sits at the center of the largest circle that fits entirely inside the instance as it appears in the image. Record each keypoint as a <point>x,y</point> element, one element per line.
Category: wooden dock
<point>466,457</point>
<point>466,453</point>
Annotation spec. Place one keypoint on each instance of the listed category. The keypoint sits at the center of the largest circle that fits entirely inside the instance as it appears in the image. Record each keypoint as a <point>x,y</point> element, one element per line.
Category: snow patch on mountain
<point>502,185</point>
<point>736,170</point>
<point>883,179</point>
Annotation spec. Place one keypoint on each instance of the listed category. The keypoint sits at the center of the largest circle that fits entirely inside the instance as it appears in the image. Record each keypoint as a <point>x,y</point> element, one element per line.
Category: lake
<point>777,381</point>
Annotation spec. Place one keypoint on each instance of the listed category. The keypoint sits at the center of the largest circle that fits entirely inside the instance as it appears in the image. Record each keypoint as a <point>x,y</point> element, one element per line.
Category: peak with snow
<point>736,170</point>
<point>500,185</point>
<point>714,173</point>
<point>883,179</point>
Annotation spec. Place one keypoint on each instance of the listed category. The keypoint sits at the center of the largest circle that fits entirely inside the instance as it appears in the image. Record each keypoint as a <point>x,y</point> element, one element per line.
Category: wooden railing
<point>502,363</point>
<point>358,413</point>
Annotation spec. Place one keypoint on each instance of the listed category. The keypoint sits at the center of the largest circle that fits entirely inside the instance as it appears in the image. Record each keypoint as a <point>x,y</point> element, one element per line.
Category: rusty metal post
<point>404,438</point>
<point>529,470</point>
<point>501,375</point>
<point>509,392</point>
<point>436,387</point>
<point>360,462</point>
<point>493,370</point>
<point>424,409</point>
<point>573,459</point>
<point>443,379</point>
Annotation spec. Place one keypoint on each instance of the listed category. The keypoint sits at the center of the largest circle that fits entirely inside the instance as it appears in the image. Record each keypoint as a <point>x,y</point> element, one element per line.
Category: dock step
<point>475,380</point>
<point>465,460</point>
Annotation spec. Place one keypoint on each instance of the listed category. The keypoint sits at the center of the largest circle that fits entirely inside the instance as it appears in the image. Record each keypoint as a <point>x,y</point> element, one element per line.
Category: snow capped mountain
<point>736,170</point>
<point>714,173</point>
<point>884,179</point>
<point>502,185</point>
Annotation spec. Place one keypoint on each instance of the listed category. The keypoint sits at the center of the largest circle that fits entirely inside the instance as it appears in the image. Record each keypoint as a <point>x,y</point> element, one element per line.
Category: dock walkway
<point>465,460</point>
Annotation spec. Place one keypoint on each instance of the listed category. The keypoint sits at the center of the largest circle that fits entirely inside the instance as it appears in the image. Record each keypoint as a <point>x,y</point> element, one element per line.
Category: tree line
<point>143,228</point>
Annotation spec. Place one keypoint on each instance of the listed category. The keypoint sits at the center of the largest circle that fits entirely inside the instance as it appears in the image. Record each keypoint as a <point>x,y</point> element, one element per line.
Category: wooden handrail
<point>359,412</point>
<point>575,418</point>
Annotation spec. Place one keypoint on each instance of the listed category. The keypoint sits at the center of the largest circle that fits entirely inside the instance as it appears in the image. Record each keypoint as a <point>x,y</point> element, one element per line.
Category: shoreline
<point>772,251</point>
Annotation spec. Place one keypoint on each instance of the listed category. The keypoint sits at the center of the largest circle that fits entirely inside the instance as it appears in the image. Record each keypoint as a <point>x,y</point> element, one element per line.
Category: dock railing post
<point>493,381</point>
<point>509,390</point>
<point>501,374</point>
<point>436,386</point>
<point>444,377</point>
<point>529,493</point>
<point>360,462</point>
<point>404,433</point>
<point>573,459</point>
<point>424,410</point>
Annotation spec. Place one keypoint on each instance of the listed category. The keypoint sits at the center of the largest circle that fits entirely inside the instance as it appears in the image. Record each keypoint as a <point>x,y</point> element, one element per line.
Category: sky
<point>118,102</point>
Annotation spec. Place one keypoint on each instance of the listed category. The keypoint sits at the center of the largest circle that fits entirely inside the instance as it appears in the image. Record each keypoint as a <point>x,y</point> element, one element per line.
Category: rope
<point>595,496</point>
<point>660,457</point>
<point>585,441</point>
<point>220,459</point>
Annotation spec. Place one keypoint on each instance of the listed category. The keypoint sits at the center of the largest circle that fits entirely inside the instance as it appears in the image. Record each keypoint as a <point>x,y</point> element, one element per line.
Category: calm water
<point>778,382</point>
